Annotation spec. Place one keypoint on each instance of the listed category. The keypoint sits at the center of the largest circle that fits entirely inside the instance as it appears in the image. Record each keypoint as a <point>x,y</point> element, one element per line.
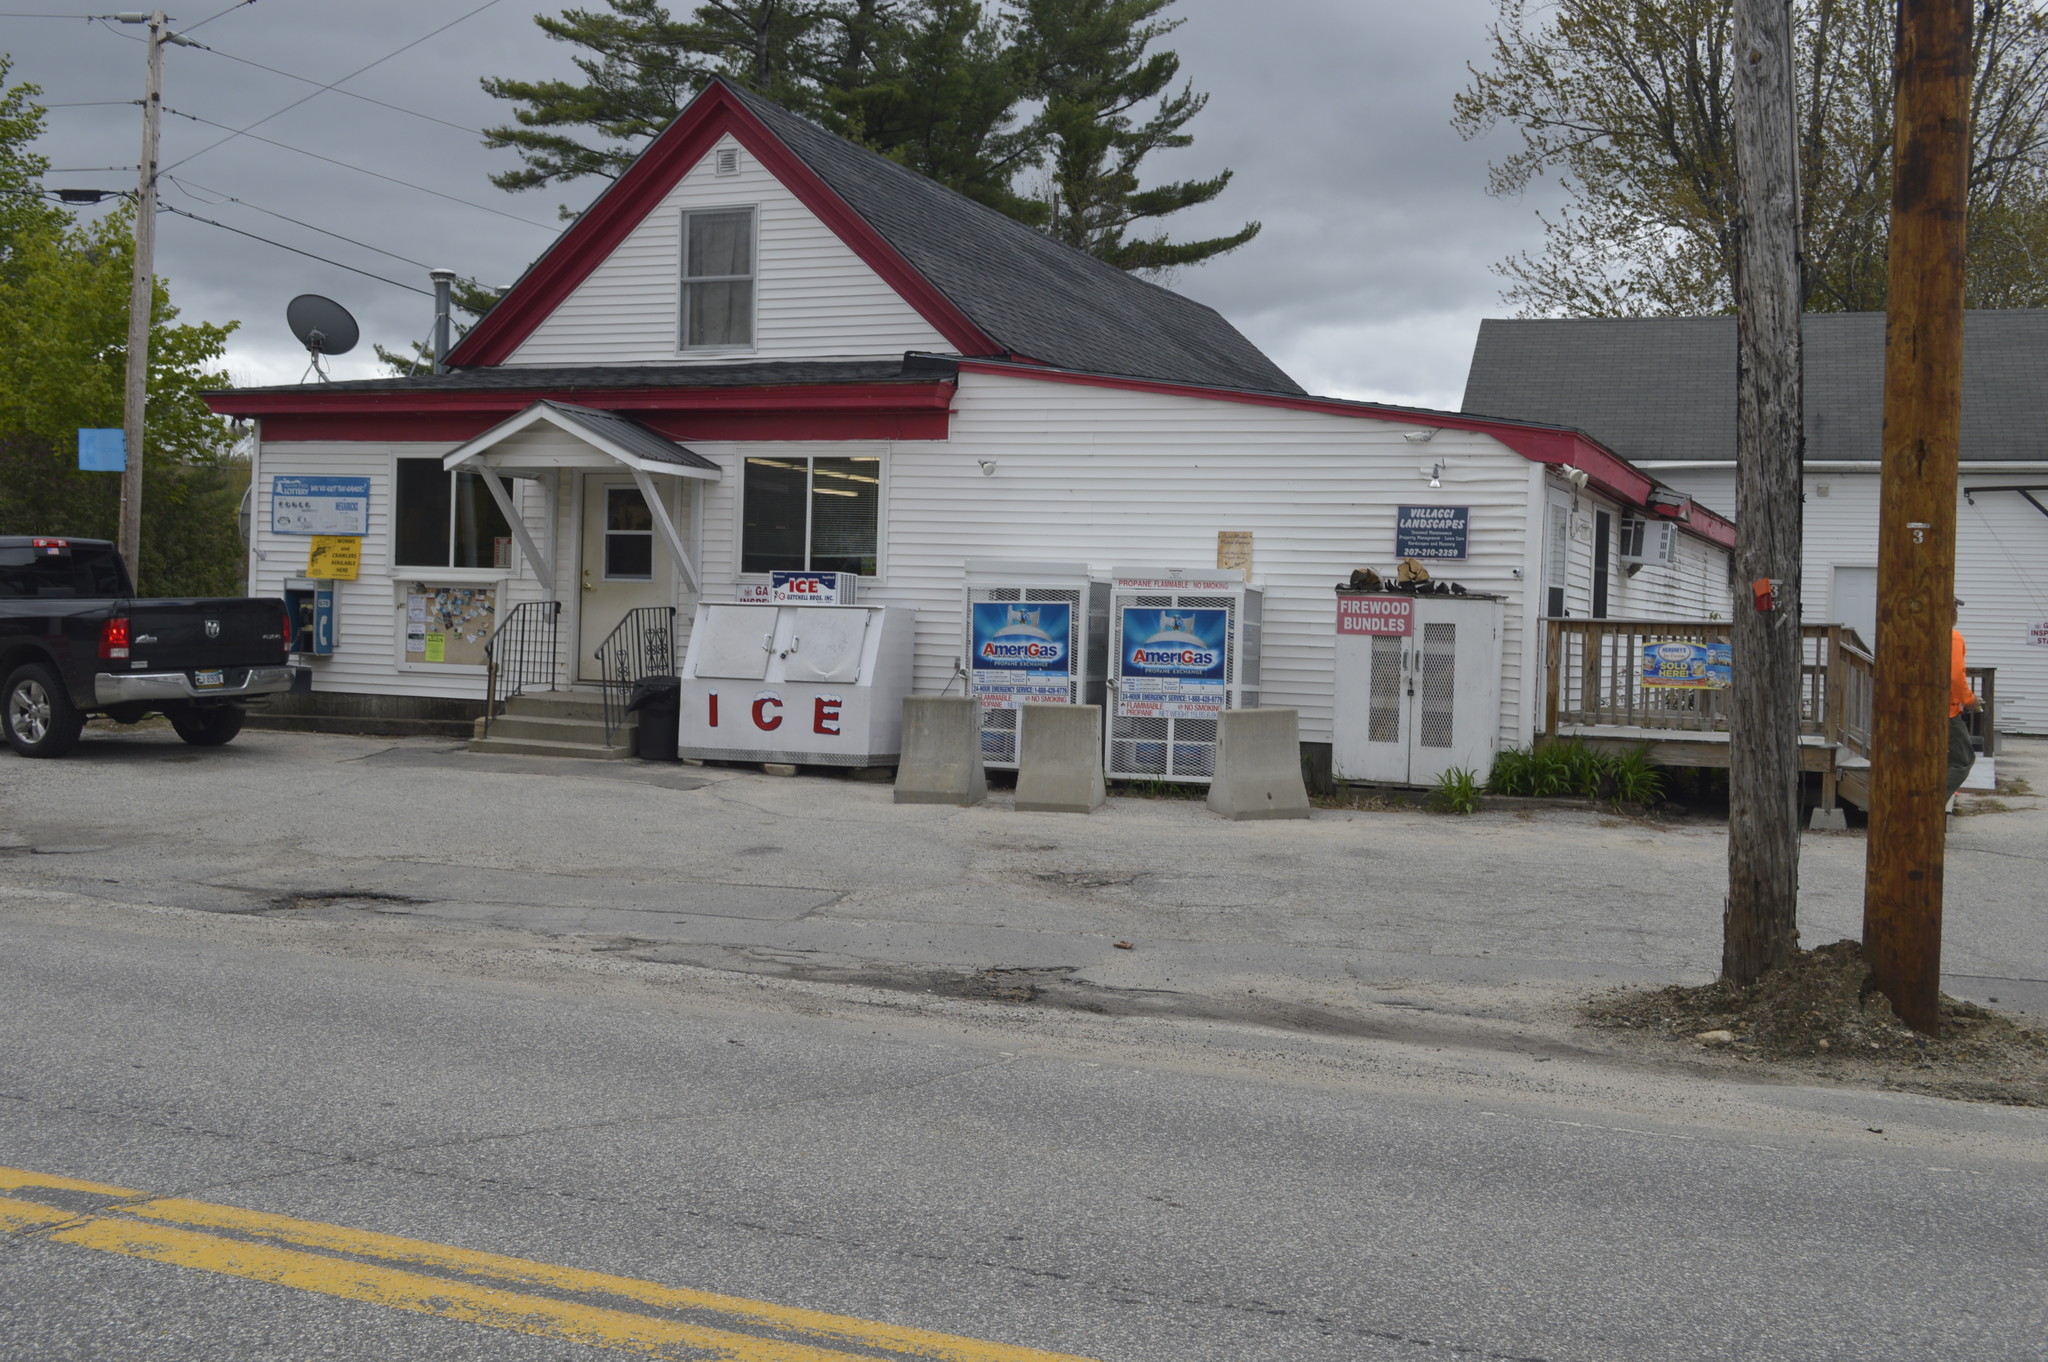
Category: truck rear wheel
<point>37,714</point>
<point>209,727</point>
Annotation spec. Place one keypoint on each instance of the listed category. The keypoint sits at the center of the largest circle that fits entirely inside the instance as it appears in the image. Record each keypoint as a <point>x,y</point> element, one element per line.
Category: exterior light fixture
<point>988,467</point>
<point>1421,437</point>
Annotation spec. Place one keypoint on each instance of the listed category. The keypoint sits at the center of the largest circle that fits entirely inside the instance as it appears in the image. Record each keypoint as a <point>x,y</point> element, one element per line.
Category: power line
<point>238,132</point>
<point>90,104</point>
<point>364,170</point>
<point>382,104</point>
<point>410,288</point>
<point>229,10</point>
<point>226,197</point>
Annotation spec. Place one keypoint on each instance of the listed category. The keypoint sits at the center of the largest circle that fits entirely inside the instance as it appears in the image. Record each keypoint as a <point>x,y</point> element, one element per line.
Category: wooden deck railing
<point>1594,679</point>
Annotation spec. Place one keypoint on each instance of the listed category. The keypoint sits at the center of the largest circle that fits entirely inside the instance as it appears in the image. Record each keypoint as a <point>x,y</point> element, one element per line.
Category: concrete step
<point>567,704</point>
<point>537,747</point>
<point>555,728</point>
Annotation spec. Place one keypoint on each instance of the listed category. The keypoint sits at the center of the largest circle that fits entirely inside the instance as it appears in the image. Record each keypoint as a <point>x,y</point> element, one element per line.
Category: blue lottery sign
<point>319,505</point>
<point>1022,653</point>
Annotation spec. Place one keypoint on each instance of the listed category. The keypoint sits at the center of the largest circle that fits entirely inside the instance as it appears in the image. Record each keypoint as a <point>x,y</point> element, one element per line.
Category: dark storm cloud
<point>1368,279</point>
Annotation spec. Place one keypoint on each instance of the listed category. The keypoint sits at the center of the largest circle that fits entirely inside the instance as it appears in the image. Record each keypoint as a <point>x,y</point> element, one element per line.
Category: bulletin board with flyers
<point>449,625</point>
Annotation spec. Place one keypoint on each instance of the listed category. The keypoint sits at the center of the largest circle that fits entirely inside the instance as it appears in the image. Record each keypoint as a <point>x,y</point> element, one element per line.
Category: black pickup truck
<point>74,640</point>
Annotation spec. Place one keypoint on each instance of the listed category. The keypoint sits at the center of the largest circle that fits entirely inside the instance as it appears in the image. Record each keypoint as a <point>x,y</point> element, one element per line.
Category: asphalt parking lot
<point>822,876</point>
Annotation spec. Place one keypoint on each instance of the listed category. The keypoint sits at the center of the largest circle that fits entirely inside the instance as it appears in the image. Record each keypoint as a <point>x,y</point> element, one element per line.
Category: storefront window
<point>443,519</point>
<point>812,515</point>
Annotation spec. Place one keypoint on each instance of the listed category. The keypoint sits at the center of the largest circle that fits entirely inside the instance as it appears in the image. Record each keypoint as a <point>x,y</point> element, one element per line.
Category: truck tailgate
<point>184,635</point>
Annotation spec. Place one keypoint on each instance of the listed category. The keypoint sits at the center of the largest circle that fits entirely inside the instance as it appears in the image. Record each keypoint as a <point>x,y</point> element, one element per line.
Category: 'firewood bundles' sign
<point>1390,616</point>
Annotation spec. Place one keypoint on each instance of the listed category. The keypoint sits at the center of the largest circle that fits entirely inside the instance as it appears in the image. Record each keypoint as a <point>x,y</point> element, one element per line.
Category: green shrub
<point>1457,791</point>
<point>1563,769</point>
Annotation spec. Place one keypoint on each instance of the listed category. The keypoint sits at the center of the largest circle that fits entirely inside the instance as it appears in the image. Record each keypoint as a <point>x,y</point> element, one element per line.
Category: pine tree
<point>940,95</point>
<point>1089,64</point>
<point>940,85</point>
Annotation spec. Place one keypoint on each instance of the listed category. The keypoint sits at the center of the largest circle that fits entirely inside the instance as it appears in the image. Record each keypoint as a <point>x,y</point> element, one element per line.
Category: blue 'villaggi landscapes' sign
<point>1431,531</point>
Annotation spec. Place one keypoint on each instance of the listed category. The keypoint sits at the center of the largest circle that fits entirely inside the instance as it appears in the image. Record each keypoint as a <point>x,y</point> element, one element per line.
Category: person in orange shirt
<point>1961,754</point>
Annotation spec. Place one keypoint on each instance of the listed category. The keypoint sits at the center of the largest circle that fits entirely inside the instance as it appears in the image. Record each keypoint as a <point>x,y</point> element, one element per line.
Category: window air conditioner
<point>1648,541</point>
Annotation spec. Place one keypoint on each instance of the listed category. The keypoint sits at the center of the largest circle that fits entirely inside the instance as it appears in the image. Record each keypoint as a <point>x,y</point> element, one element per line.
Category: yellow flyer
<point>334,557</point>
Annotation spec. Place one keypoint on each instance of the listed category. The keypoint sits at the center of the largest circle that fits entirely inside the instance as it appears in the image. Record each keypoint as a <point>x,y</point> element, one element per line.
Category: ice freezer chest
<point>818,685</point>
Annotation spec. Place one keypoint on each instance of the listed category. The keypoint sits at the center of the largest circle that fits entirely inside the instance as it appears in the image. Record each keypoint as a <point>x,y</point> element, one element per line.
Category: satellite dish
<point>323,326</point>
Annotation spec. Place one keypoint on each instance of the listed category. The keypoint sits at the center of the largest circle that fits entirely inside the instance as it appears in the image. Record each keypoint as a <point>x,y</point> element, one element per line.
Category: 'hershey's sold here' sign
<point>1391,616</point>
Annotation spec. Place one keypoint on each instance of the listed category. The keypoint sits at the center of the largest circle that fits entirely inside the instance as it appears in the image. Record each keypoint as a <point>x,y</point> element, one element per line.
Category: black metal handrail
<point>521,652</point>
<point>643,645</point>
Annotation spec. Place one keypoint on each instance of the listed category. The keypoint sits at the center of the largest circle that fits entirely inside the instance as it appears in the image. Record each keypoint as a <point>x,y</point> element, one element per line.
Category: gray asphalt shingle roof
<point>1034,296</point>
<point>1663,388</point>
<point>630,436</point>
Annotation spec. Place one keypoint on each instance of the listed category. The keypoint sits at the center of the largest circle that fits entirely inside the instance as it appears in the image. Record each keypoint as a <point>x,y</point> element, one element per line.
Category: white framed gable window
<point>718,280</point>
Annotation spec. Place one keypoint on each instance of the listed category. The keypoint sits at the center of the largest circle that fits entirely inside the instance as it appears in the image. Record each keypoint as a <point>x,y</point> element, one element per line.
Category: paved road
<point>530,1055</point>
<point>1122,1189</point>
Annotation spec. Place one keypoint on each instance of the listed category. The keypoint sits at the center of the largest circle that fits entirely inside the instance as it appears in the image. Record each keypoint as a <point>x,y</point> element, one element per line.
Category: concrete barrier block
<point>1059,759</point>
<point>941,757</point>
<point>1258,765</point>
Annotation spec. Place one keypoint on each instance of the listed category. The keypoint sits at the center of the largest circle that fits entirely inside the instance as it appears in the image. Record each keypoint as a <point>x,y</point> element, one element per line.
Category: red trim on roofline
<point>673,154</point>
<point>1550,445</point>
<point>846,411</point>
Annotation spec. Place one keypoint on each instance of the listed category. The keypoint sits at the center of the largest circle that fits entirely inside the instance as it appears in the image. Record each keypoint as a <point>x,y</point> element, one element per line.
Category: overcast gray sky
<point>1368,281</point>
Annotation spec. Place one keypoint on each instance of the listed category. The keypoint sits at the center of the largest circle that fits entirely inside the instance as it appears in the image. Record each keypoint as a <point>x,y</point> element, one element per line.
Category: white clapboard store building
<point>1662,391</point>
<point>809,358</point>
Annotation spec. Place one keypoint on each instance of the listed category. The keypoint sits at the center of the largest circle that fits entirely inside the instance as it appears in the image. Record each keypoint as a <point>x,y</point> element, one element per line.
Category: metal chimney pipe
<point>444,292</point>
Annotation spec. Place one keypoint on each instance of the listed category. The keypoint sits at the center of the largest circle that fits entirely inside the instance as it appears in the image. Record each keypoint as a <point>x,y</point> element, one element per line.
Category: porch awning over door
<point>598,440</point>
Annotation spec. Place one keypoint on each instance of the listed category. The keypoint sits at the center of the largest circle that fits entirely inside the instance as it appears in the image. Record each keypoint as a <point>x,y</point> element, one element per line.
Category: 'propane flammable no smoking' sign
<point>1388,616</point>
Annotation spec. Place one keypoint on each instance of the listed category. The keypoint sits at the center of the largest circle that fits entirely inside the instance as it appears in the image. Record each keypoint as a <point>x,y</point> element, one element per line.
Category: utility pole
<point>1760,930</point>
<point>141,293</point>
<point>1916,540</point>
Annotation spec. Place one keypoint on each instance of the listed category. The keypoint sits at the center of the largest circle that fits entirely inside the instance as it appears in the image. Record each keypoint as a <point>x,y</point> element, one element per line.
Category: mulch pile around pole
<point>1817,1019</point>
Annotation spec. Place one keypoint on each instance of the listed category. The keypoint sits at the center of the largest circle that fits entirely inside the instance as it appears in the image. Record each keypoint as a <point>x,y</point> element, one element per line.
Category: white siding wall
<point>1113,477</point>
<point>370,627</point>
<point>1101,475</point>
<point>815,298</point>
<point>2001,569</point>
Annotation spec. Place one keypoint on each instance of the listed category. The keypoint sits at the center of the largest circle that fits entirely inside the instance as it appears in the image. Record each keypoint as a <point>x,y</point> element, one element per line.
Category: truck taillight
<point>114,638</point>
<point>289,630</point>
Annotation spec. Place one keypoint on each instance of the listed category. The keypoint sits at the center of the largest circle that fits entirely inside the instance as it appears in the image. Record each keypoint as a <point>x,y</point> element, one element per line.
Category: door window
<point>1383,713</point>
<point>628,536</point>
<point>1439,684</point>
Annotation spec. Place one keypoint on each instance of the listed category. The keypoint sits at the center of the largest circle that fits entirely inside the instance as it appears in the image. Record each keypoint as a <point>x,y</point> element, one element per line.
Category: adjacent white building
<point>1661,391</point>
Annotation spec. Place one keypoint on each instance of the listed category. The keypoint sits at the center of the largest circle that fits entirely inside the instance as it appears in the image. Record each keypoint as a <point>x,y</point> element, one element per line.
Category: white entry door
<point>1410,708</point>
<point>624,563</point>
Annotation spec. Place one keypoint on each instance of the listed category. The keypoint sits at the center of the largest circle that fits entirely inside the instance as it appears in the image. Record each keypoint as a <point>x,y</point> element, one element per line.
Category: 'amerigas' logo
<point>1021,637</point>
<point>1182,643</point>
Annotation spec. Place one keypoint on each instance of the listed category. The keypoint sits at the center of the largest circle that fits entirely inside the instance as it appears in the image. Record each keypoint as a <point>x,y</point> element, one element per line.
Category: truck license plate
<point>205,679</point>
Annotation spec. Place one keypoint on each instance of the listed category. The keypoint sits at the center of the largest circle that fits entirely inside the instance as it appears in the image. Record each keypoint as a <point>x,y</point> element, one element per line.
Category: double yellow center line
<point>488,1289</point>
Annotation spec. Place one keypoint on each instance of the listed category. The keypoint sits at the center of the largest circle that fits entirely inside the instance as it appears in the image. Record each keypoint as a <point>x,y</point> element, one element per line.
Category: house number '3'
<point>1919,529</point>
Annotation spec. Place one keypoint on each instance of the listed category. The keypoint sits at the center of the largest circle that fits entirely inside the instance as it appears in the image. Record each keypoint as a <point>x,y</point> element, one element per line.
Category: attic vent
<point>728,161</point>
<point>1648,541</point>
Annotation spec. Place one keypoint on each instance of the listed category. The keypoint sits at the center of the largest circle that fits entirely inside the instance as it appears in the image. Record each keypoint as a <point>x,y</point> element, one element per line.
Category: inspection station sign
<point>1174,664</point>
<point>1431,532</point>
<point>319,505</point>
<point>1381,616</point>
<point>1023,654</point>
